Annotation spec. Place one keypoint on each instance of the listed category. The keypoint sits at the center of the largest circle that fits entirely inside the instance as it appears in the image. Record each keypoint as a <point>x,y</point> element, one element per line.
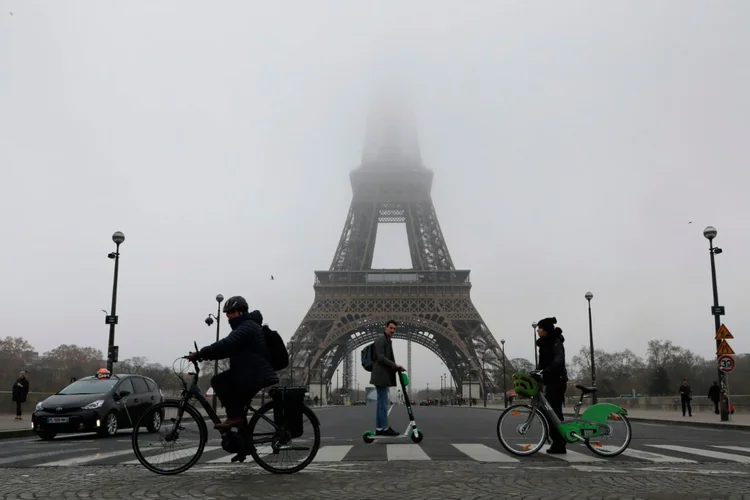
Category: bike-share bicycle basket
<point>524,385</point>
<point>287,408</point>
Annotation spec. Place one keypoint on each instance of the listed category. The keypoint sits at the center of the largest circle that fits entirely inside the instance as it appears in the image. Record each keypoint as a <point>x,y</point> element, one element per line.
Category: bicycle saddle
<point>586,390</point>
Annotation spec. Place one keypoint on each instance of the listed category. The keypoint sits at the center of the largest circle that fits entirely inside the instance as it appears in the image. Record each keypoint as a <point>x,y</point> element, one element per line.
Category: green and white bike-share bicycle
<point>601,427</point>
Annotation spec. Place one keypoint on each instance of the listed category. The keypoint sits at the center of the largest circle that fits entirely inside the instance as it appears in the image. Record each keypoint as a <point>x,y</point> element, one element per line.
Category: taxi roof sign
<point>103,373</point>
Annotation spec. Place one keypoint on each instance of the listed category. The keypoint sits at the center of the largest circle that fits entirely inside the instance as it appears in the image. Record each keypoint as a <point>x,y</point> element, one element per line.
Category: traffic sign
<point>726,363</point>
<point>723,333</point>
<point>724,348</point>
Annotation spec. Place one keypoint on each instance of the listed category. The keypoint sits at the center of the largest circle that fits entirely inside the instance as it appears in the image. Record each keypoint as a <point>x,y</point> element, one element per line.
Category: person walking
<point>714,395</point>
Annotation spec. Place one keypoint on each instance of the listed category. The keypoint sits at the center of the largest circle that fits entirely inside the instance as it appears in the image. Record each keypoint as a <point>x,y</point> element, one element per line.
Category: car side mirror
<point>124,393</point>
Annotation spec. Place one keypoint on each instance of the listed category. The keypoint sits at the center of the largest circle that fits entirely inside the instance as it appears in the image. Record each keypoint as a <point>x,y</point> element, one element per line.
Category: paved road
<point>460,457</point>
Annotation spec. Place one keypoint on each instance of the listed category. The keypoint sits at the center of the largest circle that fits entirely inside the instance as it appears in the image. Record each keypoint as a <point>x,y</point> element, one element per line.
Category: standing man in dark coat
<point>686,395</point>
<point>250,367</point>
<point>714,394</point>
<point>20,391</point>
<point>554,374</point>
<point>383,377</point>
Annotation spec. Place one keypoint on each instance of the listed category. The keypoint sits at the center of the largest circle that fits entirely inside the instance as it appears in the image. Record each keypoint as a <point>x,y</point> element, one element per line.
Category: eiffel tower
<point>431,301</point>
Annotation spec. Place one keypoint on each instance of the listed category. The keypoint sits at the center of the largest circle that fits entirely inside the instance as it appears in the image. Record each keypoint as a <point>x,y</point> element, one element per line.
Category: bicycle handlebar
<point>195,362</point>
<point>536,374</point>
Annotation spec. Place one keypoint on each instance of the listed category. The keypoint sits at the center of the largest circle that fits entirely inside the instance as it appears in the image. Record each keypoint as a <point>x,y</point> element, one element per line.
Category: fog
<point>577,146</point>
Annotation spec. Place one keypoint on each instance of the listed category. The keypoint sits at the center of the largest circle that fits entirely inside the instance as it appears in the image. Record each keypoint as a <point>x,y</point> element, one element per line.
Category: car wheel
<point>46,435</point>
<point>110,425</point>
<point>155,423</point>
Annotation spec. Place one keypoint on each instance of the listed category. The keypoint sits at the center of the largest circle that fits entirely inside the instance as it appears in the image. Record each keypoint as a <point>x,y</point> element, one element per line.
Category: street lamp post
<point>533,336</point>
<point>710,233</point>
<point>111,319</point>
<point>219,299</point>
<point>590,296</point>
<point>505,388</point>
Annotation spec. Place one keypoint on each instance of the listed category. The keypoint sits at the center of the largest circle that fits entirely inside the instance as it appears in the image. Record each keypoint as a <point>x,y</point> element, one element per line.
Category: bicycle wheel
<point>618,427</point>
<point>516,427</point>
<point>155,451</point>
<point>269,443</point>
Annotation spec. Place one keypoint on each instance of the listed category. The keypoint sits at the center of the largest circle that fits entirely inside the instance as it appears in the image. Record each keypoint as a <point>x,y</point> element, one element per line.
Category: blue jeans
<point>381,415</point>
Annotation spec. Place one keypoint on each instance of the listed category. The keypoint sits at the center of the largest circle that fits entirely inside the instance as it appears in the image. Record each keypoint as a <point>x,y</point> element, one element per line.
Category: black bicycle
<point>285,416</point>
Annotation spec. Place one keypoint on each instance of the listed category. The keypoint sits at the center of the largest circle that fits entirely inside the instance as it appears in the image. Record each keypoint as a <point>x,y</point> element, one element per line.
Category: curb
<point>16,433</point>
<point>648,420</point>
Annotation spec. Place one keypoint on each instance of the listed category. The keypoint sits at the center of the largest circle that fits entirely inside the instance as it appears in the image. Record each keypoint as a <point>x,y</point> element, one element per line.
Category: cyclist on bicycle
<point>554,374</point>
<point>249,367</point>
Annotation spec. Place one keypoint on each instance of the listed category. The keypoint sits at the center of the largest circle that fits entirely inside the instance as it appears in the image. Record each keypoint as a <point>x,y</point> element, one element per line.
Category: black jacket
<point>246,348</point>
<point>552,359</point>
<point>20,390</point>
<point>714,393</point>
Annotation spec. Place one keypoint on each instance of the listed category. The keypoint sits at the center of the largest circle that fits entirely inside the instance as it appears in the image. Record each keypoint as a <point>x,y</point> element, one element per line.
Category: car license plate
<point>57,420</point>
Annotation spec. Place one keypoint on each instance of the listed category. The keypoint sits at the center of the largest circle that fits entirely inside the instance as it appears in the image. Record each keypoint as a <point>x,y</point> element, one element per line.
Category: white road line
<point>655,457</point>
<point>704,453</point>
<point>732,448</point>
<point>167,456</point>
<point>85,459</point>
<point>406,452</point>
<point>32,456</point>
<point>482,453</point>
<point>332,453</point>
<point>574,456</point>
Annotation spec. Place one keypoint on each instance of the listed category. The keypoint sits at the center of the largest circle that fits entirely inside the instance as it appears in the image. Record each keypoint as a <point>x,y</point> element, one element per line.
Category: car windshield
<point>91,386</point>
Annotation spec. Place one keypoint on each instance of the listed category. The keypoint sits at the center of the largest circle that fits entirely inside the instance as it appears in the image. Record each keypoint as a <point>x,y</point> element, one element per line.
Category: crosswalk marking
<point>406,452</point>
<point>482,453</point>
<point>732,448</point>
<point>85,459</point>
<point>335,455</point>
<point>706,453</point>
<point>655,457</point>
<point>166,456</point>
<point>33,456</point>
<point>574,456</point>
<point>332,453</point>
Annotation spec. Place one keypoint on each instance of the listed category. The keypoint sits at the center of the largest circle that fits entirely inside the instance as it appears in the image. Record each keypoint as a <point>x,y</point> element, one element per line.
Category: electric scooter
<point>415,434</point>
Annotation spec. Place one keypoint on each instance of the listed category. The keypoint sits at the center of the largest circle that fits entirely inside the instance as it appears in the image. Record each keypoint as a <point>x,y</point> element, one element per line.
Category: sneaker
<point>390,432</point>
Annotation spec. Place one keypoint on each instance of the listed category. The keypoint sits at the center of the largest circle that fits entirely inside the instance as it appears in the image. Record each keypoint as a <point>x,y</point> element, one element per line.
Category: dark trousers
<point>686,404</point>
<point>18,408</point>
<point>555,394</point>
<point>233,397</point>
<point>716,406</point>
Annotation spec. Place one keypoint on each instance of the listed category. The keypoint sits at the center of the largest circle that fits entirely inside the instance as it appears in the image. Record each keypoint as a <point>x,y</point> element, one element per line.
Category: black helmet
<point>235,304</point>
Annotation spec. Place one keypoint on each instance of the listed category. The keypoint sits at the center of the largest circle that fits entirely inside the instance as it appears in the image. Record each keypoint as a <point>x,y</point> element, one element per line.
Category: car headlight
<point>38,407</point>
<point>93,406</point>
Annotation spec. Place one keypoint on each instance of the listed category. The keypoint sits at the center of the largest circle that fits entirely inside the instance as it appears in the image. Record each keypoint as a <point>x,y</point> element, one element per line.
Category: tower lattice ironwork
<point>431,301</point>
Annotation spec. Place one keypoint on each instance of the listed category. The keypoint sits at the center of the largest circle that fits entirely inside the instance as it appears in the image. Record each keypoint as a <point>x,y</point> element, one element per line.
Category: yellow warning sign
<point>723,333</point>
<point>724,348</point>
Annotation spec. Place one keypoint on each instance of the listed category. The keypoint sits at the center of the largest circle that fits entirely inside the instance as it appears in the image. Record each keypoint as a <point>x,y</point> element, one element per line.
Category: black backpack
<point>367,357</point>
<point>278,355</point>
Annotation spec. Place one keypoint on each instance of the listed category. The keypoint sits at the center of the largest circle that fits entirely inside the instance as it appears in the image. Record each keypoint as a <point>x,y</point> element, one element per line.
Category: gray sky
<point>572,142</point>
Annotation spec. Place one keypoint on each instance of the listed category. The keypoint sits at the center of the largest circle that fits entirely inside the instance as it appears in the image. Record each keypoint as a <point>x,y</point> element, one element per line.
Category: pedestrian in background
<point>686,395</point>
<point>20,391</point>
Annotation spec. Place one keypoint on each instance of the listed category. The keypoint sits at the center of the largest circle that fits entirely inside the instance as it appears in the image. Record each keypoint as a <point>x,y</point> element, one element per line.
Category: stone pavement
<point>381,481</point>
